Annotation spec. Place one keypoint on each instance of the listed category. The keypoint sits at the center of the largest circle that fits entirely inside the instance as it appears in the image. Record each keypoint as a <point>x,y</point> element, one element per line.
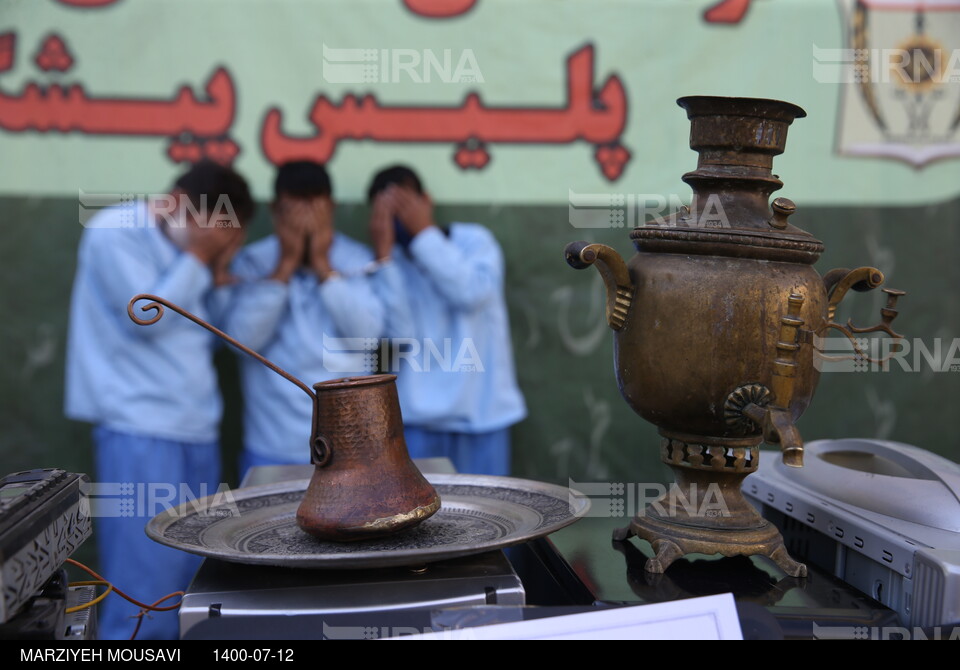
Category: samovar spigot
<point>775,419</point>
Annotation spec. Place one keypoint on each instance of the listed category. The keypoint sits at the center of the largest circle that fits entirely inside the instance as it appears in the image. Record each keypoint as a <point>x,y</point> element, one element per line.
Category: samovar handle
<point>837,283</point>
<point>320,449</point>
<point>613,270</point>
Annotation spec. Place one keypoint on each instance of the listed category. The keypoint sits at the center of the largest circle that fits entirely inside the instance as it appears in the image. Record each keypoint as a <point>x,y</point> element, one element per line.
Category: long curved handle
<point>838,282</point>
<point>159,303</point>
<point>614,273</point>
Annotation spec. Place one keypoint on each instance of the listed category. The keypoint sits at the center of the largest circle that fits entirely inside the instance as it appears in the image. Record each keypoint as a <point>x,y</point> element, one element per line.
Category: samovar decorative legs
<point>704,511</point>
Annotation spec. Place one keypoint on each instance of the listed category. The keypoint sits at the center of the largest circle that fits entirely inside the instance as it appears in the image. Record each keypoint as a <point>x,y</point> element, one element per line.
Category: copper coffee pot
<point>364,484</point>
<point>715,321</point>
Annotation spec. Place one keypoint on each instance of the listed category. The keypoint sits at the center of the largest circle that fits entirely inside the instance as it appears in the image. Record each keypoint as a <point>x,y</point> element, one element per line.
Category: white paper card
<point>706,618</point>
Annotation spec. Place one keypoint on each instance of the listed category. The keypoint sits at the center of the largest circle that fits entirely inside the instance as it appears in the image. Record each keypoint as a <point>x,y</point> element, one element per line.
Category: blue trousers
<point>477,454</point>
<point>159,474</point>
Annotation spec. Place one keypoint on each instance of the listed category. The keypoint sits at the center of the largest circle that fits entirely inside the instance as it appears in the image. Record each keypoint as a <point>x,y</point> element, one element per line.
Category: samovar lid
<point>701,105</point>
<point>736,140</point>
<point>803,248</point>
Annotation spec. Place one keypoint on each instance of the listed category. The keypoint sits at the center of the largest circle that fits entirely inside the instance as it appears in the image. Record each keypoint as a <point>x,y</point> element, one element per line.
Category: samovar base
<point>672,541</point>
<point>704,512</point>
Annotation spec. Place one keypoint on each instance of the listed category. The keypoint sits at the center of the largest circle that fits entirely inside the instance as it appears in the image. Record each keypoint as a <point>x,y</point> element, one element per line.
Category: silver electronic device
<point>882,516</point>
<point>44,518</point>
<point>227,600</point>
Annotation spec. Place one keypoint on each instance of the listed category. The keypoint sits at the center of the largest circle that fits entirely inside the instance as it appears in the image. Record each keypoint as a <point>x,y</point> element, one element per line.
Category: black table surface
<point>581,566</point>
<point>587,564</point>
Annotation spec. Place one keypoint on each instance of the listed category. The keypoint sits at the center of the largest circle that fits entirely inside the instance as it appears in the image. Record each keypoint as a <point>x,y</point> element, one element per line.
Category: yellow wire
<point>144,608</point>
<point>152,608</point>
<point>97,582</point>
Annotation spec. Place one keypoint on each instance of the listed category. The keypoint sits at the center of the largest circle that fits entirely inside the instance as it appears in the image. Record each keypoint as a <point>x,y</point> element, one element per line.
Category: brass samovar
<point>715,321</point>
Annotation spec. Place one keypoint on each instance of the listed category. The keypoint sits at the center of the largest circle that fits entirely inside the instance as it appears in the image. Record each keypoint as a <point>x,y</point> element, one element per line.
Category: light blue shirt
<point>450,334</point>
<point>156,380</point>
<point>315,331</point>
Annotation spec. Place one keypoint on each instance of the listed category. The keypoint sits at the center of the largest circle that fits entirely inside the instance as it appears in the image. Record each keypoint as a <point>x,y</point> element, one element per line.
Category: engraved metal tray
<point>257,524</point>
